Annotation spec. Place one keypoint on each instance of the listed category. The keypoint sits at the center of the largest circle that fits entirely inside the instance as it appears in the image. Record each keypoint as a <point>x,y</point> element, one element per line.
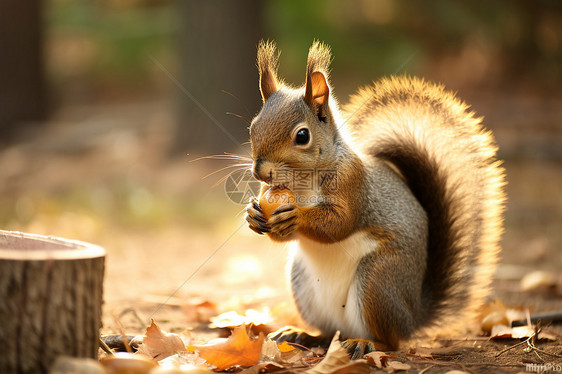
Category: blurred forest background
<point>105,105</point>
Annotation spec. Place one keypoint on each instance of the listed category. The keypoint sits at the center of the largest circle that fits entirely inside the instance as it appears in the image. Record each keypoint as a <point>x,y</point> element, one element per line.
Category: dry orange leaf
<point>158,344</point>
<point>238,349</point>
<point>285,347</point>
<point>199,310</point>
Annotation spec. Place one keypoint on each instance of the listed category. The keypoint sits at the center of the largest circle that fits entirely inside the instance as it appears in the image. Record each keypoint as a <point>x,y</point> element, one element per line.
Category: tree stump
<point>50,300</point>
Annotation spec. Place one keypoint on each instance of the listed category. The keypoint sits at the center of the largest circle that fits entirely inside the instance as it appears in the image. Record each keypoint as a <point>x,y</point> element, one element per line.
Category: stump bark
<point>51,293</point>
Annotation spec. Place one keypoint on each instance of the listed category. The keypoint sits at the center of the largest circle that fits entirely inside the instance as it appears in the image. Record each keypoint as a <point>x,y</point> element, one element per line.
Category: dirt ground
<point>104,175</point>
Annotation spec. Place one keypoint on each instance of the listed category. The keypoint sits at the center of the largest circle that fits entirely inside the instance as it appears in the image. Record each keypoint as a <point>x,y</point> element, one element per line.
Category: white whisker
<point>221,180</point>
<point>239,166</point>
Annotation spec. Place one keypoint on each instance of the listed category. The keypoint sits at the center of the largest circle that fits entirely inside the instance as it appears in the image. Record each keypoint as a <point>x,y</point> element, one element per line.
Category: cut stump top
<point>22,246</point>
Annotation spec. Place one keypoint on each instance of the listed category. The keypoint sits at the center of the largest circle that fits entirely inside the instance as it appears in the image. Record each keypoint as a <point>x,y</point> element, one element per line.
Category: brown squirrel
<point>403,242</point>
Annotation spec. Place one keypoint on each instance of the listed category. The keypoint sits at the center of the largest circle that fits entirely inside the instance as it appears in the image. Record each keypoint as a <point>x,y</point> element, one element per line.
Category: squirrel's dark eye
<point>302,137</point>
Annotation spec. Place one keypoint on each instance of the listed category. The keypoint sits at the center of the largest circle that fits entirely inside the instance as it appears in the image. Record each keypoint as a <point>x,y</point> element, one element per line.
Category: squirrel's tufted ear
<point>268,59</point>
<point>317,90</point>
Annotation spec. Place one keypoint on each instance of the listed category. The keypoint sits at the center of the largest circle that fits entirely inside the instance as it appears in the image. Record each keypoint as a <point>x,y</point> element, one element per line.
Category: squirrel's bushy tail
<point>448,161</point>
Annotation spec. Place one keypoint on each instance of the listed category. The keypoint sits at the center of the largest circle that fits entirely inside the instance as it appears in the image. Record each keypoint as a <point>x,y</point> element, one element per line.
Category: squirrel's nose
<point>260,173</point>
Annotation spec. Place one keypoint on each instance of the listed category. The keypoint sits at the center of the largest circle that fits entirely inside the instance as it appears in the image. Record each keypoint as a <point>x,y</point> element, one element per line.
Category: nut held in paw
<point>272,198</point>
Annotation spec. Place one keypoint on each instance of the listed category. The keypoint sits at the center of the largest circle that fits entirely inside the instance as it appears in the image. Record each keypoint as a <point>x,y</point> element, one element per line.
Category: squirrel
<point>402,241</point>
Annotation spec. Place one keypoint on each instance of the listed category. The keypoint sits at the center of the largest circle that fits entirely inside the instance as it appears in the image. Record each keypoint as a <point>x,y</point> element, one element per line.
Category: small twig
<point>526,341</point>
<point>531,345</point>
<point>510,348</point>
<point>301,347</point>
<point>105,347</point>
<point>123,335</point>
<point>547,353</point>
<point>537,354</point>
<point>312,360</point>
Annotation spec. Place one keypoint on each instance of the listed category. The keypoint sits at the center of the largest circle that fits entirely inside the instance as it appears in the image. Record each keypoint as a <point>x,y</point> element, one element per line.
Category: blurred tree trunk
<point>218,41</point>
<point>22,86</point>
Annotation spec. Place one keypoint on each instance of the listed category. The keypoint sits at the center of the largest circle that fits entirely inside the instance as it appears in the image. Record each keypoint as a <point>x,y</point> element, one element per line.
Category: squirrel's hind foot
<point>292,334</point>
<point>357,348</point>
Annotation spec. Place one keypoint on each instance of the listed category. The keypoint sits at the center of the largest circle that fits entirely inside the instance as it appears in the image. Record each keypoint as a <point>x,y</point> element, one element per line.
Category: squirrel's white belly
<point>326,292</point>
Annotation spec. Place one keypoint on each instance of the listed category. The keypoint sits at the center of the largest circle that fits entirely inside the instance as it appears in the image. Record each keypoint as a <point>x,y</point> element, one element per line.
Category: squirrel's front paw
<point>283,222</point>
<point>255,218</point>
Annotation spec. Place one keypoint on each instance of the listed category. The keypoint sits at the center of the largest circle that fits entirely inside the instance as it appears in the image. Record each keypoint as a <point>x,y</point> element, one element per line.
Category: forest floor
<point>174,242</point>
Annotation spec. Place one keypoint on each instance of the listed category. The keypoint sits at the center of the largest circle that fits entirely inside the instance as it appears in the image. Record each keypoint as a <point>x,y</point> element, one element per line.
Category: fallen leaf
<point>519,332</point>
<point>227,320</point>
<point>496,313</point>
<point>182,359</point>
<point>394,366</point>
<point>494,319</point>
<point>238,349</point>
<point>504,332</point>
<point>547,335</point>
<point>199,310</point>
<point>270,351</point>
<point>158,344</point>
<point>493,314</point>
<point>285,347</point>
<point>421,352</point>
<point>336,357</point>
<point>377,359</point>
<point>259,320</point>
<point>539,281</point>
<point>337,361</point>
<point>292,358</point>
